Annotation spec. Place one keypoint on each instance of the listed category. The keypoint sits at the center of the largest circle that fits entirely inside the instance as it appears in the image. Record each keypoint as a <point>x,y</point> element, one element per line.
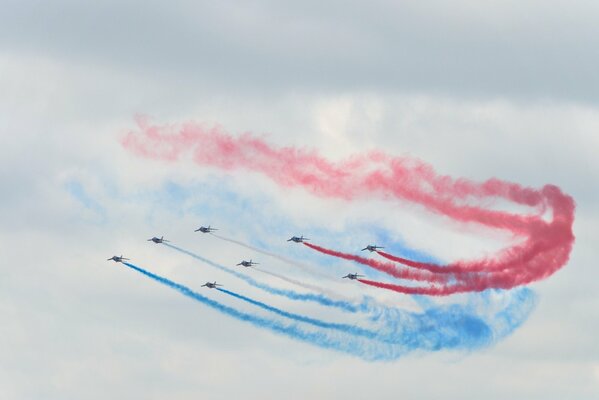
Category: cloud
<point>510,49</point>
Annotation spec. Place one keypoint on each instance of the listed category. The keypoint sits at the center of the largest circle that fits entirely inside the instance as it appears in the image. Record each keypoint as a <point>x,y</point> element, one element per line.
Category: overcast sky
<point>477,89</point>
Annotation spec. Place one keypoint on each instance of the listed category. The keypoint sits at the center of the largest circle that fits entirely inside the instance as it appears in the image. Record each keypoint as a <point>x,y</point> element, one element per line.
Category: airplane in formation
<point>158,240</point>
<point>117,259</point>
<point>211,285</point>
<point>247,263</point>
<point>297,239</point>
<point>205,229</point>
<point>372,248</point>
<point>353,276</point>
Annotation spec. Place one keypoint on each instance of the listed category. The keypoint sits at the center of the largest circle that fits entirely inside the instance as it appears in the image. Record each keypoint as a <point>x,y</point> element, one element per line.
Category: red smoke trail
<point>545,247</point>
<point>536,268</point>
<point>387,268</point>
<point>430,290</point>
<point>543,238</point>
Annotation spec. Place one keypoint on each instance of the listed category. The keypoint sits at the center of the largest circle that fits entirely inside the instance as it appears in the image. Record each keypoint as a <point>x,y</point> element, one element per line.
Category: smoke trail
<point>353,330</point>
<point>546,246</point>
<point>318,338</point>
<point>512,259</point>
<point>433,290</point>
<point>308,286</point>
<point>393,336</point>
<point>290,294</point>
<point>464,281</point>
<point>286,260</point>
<point>429,290</point>
<point>290,280</point>
<point>448,327</point>
<point>416,264</point>
<point>387,268</point>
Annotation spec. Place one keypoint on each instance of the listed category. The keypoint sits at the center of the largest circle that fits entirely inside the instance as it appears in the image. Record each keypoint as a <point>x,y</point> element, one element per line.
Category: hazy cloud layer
<point>533,49</point>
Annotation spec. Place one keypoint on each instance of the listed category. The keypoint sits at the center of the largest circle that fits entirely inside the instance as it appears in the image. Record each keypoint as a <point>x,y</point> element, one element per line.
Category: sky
<point>477,90</point>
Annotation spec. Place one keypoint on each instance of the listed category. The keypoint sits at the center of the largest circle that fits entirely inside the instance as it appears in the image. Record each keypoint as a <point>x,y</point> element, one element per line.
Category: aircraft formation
<point>244,263</point>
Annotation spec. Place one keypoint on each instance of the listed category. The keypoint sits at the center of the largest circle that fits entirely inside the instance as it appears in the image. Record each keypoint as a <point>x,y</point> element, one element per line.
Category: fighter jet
<point>158,240</point>
<point>211,285</point>
<point>297,239</point>
<point>353,276</point>
<point>204,229</point>
<point>372,248</point>
<point>247,263</point>
<point>117,259</point>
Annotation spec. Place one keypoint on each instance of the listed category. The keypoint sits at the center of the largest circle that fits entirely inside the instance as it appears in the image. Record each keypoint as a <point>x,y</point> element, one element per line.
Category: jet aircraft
<point>211,285</point>
<point>353,276</point>
<point>158,240</point>
<point>247,263</point>
<point>117,259</point>
<point>372,248</point>
<point>204,229</point>
<point>297,239</point>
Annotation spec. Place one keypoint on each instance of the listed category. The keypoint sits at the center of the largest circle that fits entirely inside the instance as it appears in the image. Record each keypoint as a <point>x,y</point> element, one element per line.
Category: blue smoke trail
<point>354,330</point>
<point>441,328</point>
<point>290,294</point>
<point>459,322</point>
<point>346,345</point>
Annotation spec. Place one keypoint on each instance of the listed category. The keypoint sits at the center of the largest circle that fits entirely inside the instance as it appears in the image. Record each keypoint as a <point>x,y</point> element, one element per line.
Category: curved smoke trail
<point>447,327</point>
<point>546,245</point>
<point>354,330</point>
<point>388,268</point>
<point>347,345</point>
